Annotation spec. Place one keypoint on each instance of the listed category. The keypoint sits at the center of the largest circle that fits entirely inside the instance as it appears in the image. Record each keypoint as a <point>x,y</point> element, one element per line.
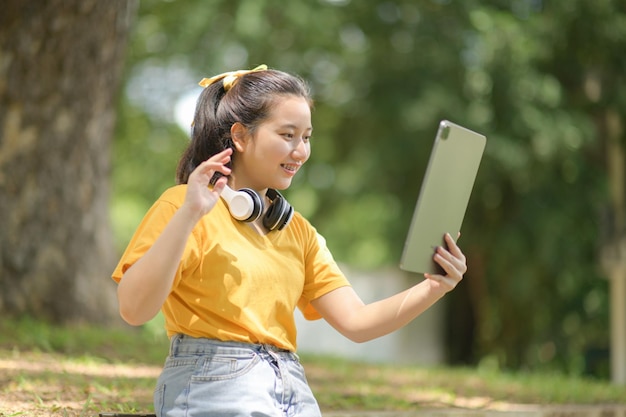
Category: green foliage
<point>536,77</point>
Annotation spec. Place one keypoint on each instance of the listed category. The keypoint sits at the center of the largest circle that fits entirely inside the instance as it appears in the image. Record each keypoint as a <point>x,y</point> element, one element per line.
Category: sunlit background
<point>542,80</point>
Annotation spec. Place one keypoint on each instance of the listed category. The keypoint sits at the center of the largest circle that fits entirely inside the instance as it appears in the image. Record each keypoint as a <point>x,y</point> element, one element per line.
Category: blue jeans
<point>206,377</point>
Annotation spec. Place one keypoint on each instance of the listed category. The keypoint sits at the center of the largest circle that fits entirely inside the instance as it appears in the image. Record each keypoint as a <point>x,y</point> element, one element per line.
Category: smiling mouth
<point>290,167</point>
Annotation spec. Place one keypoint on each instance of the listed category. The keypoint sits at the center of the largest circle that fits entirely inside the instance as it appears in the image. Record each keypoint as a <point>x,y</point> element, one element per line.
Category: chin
<point>282,185</point>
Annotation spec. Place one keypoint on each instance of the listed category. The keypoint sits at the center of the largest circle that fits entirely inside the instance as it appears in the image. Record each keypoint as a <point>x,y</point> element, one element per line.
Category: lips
<point>292,168</point>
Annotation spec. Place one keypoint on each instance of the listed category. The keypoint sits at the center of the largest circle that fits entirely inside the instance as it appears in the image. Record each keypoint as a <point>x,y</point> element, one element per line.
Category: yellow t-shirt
<point>233,283</point>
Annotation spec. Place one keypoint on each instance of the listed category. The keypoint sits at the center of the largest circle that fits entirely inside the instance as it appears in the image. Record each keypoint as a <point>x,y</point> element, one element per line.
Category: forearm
<point>147,283</point>
<point>390,314</point>
<point>345,311</point>
<point>360,322</point>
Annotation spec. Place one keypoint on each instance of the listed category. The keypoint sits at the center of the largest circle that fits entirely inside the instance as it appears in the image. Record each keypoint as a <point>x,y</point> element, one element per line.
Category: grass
<point>82,370</point>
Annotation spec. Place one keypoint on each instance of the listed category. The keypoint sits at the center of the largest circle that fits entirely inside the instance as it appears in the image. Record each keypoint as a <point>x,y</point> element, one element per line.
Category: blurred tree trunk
<point>60,68</point>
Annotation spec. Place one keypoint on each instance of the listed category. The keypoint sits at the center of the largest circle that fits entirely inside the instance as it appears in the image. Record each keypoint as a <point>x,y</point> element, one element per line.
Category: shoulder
<point>167,204</point>
<point>305,232</point>
<point>174,195</point>
<point>300,225</point>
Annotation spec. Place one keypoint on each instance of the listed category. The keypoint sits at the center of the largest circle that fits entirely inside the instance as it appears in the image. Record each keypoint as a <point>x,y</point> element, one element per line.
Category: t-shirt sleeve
<point>322,275</point>
<point>146,234</point>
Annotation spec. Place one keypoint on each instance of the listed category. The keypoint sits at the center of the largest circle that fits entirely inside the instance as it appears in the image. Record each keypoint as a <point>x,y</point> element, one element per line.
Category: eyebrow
<point>292,126</point>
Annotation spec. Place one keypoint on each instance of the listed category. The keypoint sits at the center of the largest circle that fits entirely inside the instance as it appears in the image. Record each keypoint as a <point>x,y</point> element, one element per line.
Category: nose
<point>301,151</point>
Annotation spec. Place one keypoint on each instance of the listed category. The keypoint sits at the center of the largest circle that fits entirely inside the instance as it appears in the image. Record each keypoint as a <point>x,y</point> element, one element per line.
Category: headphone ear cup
<point>244,205</point>
<point>279,213</point>
<point>286,218</point>
<point>257,204</point>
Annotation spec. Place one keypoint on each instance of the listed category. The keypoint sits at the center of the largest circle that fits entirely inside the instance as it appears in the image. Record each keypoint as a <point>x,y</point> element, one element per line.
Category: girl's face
<point>273,154</point>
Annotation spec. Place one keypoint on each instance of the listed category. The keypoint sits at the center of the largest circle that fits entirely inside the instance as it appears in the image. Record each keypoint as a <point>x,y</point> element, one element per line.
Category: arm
<point>147,283</point>
<point>360,322</point>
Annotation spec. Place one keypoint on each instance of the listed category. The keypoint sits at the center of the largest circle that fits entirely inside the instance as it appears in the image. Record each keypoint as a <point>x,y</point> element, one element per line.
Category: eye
<point>288,135</point>
<point>306,138</point>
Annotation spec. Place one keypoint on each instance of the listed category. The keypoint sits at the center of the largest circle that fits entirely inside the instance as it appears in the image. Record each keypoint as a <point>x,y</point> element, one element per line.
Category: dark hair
<point>248,102</point>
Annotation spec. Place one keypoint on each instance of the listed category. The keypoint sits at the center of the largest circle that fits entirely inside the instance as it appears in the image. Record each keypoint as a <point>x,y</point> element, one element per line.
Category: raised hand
<point>201,196</point>
<point>453,263</point>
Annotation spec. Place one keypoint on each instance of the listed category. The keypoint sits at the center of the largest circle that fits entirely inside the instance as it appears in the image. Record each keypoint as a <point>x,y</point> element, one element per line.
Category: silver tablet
<point>443,196</point>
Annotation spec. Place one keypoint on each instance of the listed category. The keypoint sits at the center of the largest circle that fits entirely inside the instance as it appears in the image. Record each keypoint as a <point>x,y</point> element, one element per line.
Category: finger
<point>219,185</point>
<point>203,174</point>
<point>449,283</point>
<point>213,164</point>
<point>453,248</point>
<point>225,152</point>
<point>449,240</point>
<point>212,167</point>
<point>444,263</point>
<point>433,277</point>
<point>452,265</point>
<point>221,158</point>
<point>458,262</point>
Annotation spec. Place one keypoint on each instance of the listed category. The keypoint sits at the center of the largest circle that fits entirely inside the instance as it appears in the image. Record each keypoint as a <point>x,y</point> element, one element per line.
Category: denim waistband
<point>181,344</point>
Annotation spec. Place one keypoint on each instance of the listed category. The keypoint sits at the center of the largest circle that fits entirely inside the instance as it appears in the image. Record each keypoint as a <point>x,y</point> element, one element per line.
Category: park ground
<point>82,370</point>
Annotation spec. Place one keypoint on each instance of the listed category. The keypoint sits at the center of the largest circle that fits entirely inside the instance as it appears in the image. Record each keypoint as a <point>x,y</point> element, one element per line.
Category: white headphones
<point>246,205</point>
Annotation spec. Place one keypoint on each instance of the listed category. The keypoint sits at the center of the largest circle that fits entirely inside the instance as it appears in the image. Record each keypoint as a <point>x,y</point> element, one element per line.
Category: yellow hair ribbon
<point>230,78</point>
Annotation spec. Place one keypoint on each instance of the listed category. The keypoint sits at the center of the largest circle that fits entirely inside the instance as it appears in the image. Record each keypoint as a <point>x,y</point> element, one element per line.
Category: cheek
<point>273,152</point>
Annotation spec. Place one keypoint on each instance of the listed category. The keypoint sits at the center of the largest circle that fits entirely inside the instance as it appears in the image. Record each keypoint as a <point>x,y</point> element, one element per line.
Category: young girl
<point>227,260</point>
